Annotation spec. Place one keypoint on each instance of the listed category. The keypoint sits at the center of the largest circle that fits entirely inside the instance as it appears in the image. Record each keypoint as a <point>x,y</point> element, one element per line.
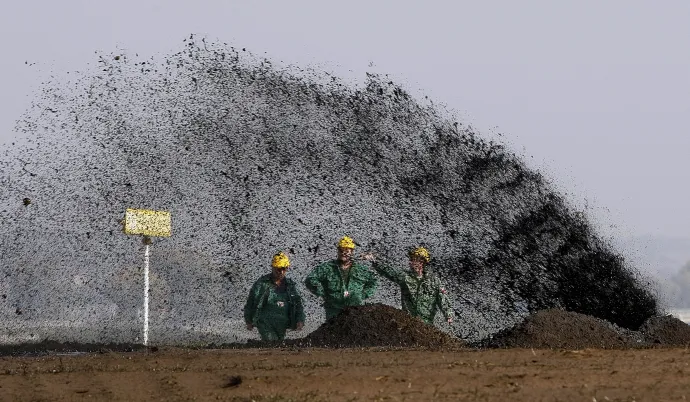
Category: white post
<point>148,223</point>
<point>146,296</point>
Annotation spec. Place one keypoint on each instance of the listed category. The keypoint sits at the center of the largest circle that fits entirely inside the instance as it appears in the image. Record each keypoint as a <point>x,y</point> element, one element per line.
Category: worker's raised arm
<point>388,272</point>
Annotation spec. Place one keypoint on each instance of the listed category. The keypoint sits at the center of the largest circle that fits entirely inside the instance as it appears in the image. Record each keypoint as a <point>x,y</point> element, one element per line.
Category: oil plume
<point>251,159</point>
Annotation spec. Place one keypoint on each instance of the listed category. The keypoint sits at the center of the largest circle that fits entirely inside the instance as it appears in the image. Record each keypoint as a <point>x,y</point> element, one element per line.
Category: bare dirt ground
<point>374,352</point>
<point>314,374</point>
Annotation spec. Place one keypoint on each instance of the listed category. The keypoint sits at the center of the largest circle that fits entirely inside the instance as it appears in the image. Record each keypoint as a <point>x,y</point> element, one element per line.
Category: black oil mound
<point>251,159</point>
<point>378,325</point>
<point>666,330</point>
<point>555,328</point>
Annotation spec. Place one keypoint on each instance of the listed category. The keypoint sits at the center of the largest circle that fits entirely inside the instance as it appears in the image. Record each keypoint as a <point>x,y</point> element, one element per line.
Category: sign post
<point>147,223</point>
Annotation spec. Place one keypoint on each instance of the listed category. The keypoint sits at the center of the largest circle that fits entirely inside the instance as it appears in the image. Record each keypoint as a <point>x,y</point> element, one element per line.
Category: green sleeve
<point>443,301</point>
<point>297,313</point>
<point>299,308</point>
<point>313,282</point>
<point>370,284</point>
<point>251,304</point>
<point>394,275</point>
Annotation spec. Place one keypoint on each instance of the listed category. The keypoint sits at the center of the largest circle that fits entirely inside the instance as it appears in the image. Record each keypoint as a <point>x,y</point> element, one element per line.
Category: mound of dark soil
<point>666,330</point>
<point>378,325</point>
<point>555,328</point>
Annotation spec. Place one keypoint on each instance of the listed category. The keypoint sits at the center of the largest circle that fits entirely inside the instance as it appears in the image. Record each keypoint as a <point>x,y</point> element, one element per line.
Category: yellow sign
<point>147,222</point>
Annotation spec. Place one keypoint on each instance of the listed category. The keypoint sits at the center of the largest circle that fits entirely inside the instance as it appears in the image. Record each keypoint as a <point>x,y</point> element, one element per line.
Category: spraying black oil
<point>251,159</point>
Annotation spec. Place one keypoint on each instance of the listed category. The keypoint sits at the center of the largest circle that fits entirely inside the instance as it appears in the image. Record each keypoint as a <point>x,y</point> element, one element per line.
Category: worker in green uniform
<point>341,282</point>
<point>421,292</point>
<point>274,303</point>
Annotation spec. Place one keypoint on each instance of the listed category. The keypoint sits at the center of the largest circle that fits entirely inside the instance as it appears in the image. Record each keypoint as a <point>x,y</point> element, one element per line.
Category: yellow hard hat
<point>421,252</point>
<point>280,260</point>
<point>346,242</point>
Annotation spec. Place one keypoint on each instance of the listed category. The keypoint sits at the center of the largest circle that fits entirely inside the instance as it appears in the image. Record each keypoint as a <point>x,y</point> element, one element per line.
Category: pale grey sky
<point>595,93</point>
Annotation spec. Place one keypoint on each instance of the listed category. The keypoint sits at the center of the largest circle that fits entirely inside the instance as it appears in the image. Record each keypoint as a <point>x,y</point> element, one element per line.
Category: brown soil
<point>378,325</point>
<point>666,330</point>
<point>561,329</point>
<point>556,328</point>
<point>552,355</point>
<point>313,374</point>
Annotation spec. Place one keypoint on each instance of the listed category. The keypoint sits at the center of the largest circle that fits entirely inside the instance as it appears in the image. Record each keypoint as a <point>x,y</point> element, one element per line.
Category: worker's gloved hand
<point>299,326</point>
<point>250,327</point>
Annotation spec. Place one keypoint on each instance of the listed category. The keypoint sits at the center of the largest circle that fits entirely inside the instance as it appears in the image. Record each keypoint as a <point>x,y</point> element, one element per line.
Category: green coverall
<point>420,296</point>
<point>340,288</point>
<point>272,309</point>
